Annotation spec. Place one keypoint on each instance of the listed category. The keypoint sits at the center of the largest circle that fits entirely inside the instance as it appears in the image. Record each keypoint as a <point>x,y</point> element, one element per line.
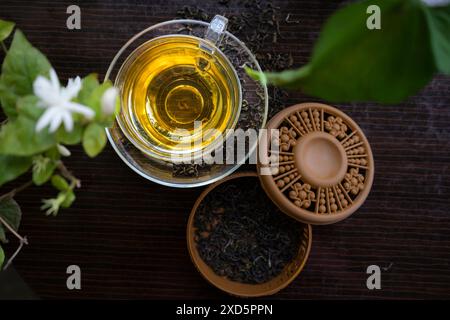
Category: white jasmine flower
<point>52,205</point>
<point>57,100</point>
<point>63,150</point>
<point>436,3</point>
<point>109,101</point>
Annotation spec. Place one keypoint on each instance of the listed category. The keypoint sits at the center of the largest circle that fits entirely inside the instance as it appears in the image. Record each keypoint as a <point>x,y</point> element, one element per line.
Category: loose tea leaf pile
<point>242,235</point>
<point>189,169</point>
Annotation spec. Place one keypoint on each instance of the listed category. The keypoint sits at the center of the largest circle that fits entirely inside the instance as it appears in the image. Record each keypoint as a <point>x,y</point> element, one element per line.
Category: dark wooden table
<point>128,234</point>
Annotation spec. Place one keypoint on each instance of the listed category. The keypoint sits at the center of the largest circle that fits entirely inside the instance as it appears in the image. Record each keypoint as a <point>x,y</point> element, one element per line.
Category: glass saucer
<point>253,113</point>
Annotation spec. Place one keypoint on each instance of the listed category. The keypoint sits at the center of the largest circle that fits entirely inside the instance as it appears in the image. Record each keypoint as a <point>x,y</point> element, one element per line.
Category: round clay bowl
<point>320,168</point>
<point>290,272</point>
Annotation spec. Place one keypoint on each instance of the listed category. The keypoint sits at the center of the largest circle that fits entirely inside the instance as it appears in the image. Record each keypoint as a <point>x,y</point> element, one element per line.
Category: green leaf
<point>95,100</point>
<point>19,138</point>
<point>88,85</point>
<point>11,167</point>
<point>43,170</point>
<point>11,213</point>
<point>2,258</point>
<point>60,183</point>
<point>92,95</point>
<point>21,66</point>
<point>352,63</point>
<point>28,106</point>
<point>53,153</point>
<point>438,19</point>
<point>6,27</point>
<point>69,199</point>
<point>7,100</point>
<point>94,139</point>
<point>70,138</point>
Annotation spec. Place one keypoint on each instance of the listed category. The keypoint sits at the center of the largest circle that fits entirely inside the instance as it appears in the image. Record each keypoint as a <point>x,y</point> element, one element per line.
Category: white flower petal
<point>56,121</point>
<point>68,121</point>
<point>54,80</point>
<point>109,99</point>
<point>57,100</point>
<point>72,89</point>
<point>45,119</point>
<point>42,88</point>
<point>79,108</point>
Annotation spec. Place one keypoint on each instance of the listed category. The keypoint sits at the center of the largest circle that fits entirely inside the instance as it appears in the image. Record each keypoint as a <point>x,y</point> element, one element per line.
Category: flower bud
<point>109,99</point>
<point>63,150</point>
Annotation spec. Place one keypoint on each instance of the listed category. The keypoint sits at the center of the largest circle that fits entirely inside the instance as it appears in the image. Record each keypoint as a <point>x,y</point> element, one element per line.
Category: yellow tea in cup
<point>177,97</point>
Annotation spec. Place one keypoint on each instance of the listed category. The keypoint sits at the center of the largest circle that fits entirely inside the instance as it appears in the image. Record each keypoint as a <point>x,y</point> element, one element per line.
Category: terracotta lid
<point>321,168</point>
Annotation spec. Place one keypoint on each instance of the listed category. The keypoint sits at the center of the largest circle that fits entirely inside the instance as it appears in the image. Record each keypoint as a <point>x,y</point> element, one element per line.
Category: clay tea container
<point>287,275</point>
<point>322,169</point>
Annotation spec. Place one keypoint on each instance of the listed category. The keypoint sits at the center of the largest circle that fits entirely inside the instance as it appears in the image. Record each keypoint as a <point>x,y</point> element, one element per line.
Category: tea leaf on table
<point>60,183</point>
<point>22,64</point>
<point>352,63</point>
<point>11,167</point>
<point>438,19</point>
<point>94,139</point>
<point>19,138</point>
<point>43,171</point>
<point>6,27</point>
<point>11,213</point>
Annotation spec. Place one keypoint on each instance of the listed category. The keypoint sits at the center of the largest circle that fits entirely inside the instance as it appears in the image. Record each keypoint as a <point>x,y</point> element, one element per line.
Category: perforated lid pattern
<point>295,188</point>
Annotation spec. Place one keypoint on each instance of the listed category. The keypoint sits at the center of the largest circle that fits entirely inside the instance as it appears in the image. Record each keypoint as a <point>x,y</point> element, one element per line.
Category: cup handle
<point>214,33</point>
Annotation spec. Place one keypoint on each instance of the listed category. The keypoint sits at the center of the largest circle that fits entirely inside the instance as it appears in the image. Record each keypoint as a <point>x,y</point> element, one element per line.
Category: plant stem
<point>23,240</point>
<point>4,47</point>
<point>14,232</point>
<point>15,191</point>
<point>10,260</point>
<point>68,175</point>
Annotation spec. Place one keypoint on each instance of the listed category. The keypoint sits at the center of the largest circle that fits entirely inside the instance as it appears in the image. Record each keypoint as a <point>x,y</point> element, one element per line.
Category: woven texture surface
<point>128,235</point>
